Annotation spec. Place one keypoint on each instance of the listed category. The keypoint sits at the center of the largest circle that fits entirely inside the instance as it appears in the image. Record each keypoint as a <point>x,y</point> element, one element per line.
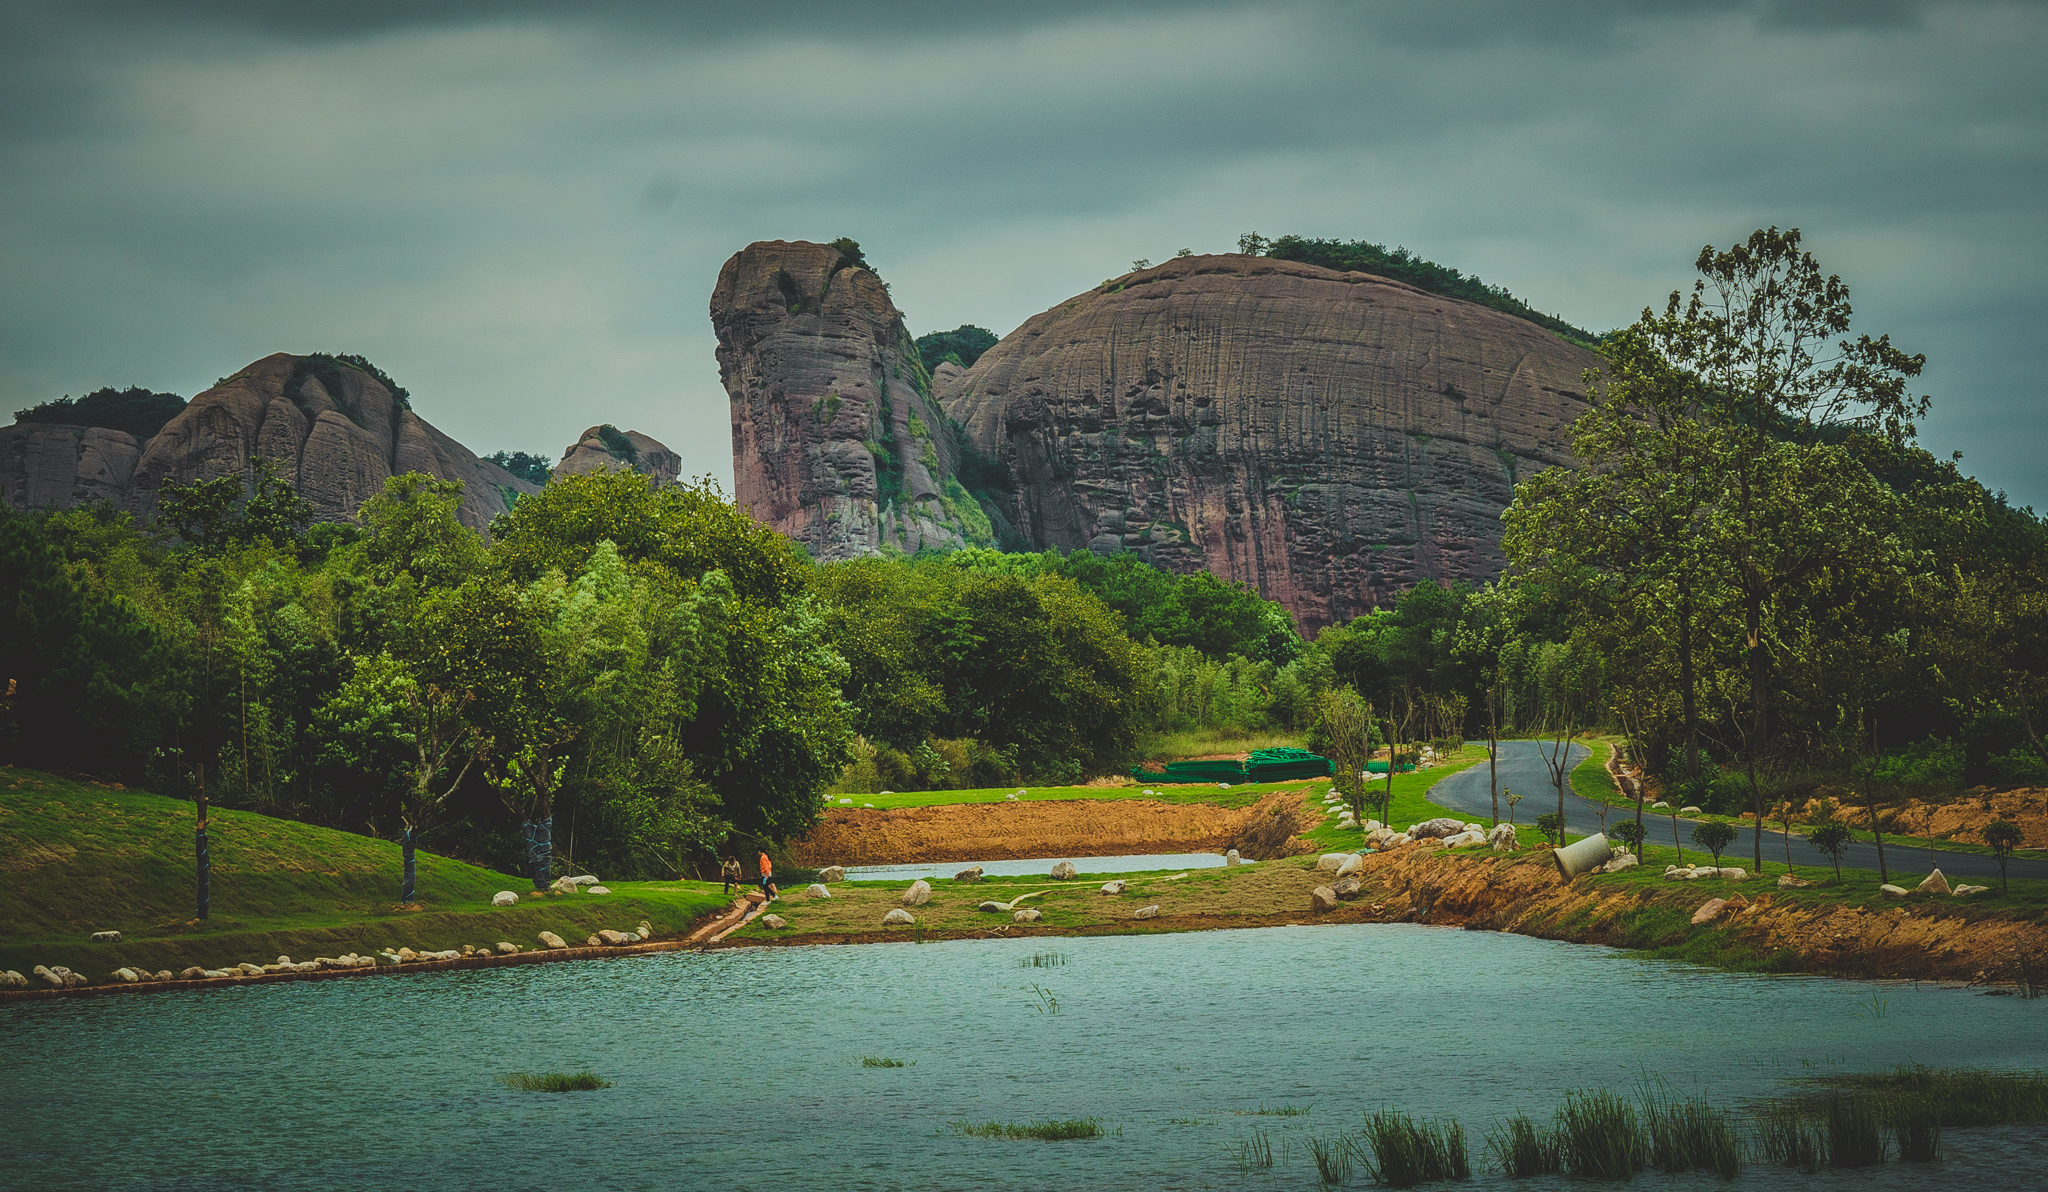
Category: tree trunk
<point>1884,873</point>
<point>540,849</point>
<point>202,857</point>
<point>1687,701</point>
<point>1493,756</point>
<point>1759,687</point>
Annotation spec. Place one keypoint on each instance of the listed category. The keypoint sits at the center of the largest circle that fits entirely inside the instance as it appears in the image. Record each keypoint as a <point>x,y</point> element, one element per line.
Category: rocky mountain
<point>334,430</point>
<point>607,448</point>
<point>1329,438</point>
<point>54,464</point>
<point>837,442</point>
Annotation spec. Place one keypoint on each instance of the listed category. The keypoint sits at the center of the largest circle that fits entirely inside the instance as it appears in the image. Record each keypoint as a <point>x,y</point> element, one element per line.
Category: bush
<point>1929,765</point>
<point>2018,767</point>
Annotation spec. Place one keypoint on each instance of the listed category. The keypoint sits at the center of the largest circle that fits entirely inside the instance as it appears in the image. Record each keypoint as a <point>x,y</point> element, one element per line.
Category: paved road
<point>1521,770</point>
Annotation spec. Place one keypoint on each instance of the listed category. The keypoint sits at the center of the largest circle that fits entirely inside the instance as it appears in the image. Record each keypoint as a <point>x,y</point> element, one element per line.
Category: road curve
<point>1521,769</point>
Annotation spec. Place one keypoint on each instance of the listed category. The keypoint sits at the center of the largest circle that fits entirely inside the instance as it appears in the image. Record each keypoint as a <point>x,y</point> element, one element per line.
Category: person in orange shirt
<point>768,878</point>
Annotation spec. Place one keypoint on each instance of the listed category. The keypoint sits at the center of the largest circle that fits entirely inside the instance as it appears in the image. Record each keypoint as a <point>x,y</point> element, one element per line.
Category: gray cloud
<point>520,213</point>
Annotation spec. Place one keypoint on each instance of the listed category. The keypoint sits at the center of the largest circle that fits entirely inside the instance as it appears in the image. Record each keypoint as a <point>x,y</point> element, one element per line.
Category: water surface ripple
<point>736,1070</point>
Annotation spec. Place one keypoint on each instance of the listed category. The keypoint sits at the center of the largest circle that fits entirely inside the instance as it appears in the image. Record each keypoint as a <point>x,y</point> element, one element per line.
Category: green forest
<point>1753,574</point>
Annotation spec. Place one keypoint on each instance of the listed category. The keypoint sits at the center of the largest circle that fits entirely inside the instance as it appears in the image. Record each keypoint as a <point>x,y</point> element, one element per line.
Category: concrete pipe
<point>1584,856</point>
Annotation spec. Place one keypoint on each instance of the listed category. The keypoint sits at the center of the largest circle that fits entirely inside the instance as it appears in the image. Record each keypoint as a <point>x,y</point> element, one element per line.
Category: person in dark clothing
<point>729,872</point>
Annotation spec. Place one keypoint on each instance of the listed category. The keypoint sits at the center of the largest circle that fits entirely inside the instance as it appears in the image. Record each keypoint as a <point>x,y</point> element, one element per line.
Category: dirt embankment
<point>1063,828</point>
<point>1964,819</point>
<point>1523,894</point>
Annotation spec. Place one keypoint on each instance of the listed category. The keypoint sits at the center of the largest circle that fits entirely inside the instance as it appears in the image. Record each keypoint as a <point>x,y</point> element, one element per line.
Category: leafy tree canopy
<point>963,345</point>
<point>534,469</point>
<point>136,410</point>
<point>1363,256</point>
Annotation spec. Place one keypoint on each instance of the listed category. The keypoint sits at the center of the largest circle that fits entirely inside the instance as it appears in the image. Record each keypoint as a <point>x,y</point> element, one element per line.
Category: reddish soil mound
<point>1011,831</point>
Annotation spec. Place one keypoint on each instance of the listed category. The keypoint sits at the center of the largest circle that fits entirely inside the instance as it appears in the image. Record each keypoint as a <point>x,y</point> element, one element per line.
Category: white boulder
<point>1352,864</point>
<point>1231,858</point>
<point>1502,838</point>
<point>817,890</point>
<point>1933,883</point>
<point>776,922</point>
<point>13,980</point>
<point>1891,891</point>
<point>1329,862</point>
<point>1029,914</point>
<point>106,937</point>
<point>968,875</point>
<point>1323,898</point>
<point>1960,891</point>
<point>551,940</point>
<point>1063,871</point>
<point>1147,912</point>
<point>504,898</point>
<point>919,893</point>
<point>832,873</point>
<point>596,890</point>
<point>1116,887</point>
<point>1709,910</point>
<point>507,948</point>
<point>897,916</point>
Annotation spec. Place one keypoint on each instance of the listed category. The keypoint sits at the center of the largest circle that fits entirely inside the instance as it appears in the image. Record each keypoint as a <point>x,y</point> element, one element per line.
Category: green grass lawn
<point>82,858</point>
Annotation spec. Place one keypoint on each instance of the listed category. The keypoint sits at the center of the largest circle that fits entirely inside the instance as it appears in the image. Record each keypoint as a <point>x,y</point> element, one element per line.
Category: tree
<point>962,346</point>
<point>1713,835</point>
<point>1346,730</point>
<point>440,735</point>
<point>2003,836</point>
<point>1759,331</point>
<point>1831,840</point>
<point>1512,799</point>
<point>1630,832</point>
<point>1551,824</point>
<point>534,469</point>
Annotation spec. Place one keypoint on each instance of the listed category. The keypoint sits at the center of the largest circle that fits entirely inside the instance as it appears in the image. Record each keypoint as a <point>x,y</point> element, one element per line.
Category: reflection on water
<point>1136,863</point>
<point>739,1069</point>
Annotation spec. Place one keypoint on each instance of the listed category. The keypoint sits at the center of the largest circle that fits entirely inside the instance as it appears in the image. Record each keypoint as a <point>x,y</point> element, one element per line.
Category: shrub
<point>1713,836</point>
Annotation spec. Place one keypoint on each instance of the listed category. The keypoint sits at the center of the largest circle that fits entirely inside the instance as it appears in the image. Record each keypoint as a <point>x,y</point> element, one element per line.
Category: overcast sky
<point>518,209</point>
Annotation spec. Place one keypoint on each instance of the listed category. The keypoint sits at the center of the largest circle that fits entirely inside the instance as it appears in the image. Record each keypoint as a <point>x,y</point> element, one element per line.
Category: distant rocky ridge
<point>1328,438</point>
<point>837,442</point>
<point>608,449</point>
<point>334,431</point>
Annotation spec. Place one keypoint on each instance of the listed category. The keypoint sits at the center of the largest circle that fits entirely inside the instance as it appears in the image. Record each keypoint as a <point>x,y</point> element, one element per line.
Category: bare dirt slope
<point>1009,831</point>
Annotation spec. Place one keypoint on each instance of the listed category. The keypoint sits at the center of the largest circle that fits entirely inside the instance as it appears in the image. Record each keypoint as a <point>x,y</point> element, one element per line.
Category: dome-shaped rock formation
<point>836,440</point>
<point>1329,438</point>
<point>608,449</point>
<point>334,431</point>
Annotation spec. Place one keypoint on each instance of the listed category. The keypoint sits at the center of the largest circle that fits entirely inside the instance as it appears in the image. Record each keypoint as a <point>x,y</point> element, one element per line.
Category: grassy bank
<point>84,858</point>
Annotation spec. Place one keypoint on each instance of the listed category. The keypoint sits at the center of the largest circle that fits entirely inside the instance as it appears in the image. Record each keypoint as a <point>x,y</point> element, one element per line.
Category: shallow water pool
<point>739,1069</point>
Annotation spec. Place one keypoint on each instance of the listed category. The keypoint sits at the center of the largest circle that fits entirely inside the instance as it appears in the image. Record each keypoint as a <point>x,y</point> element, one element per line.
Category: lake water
<point>736,1070</point>
<point>1136,863</point>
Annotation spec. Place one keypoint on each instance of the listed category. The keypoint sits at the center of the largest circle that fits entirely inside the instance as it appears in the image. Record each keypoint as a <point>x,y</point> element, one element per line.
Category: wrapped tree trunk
<point>540,849</point>
<point>405,893</point>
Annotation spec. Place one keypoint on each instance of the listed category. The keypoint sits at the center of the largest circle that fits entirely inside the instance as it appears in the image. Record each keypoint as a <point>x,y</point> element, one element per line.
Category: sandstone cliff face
<point>836,440</point>
<point>629,450</point>
<point>335,432</point>
<point>45,464</point>
<point>1329,438</point>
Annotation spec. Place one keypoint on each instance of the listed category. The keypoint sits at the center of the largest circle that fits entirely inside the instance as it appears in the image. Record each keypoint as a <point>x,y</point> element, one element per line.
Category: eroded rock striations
<point>49,464</point>
<point>332,430</point>
<point>1329,438</point>
<point>837,442</point>
<point>608,449</point>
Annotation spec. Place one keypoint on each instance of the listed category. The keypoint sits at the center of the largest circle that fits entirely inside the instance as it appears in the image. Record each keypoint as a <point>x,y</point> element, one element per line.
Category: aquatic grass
<point>1522,1148</point>
<point>1042,960</point>
<point>1689,1133</point>
<point>1047,1003</point>
<point>1333,1159</point>
<point>1255,1152</point>
<point>554,1082</point>
<point>1599,1136</point>
<point>1062,1130</point>
<point>1406,1152</point>
<point>1916,1132</point>
<point>877,1061</point>
<point>1951,1097</point>
<point>1784,1137</point>
<point>1265,1110</point>
<point>1855,1130</point>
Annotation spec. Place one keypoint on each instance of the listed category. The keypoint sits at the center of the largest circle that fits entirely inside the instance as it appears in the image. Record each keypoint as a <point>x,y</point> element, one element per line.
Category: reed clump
<point>1522,1148</point>
<point>1255,1152</point>
<point>1064,1130</point>
<point>1406,1152</point>
<point>1688,1133</point>
<point>881,1061</point>
<point>1600,1137</point>
<point>554,1082</point>
<point>1042,960</point>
